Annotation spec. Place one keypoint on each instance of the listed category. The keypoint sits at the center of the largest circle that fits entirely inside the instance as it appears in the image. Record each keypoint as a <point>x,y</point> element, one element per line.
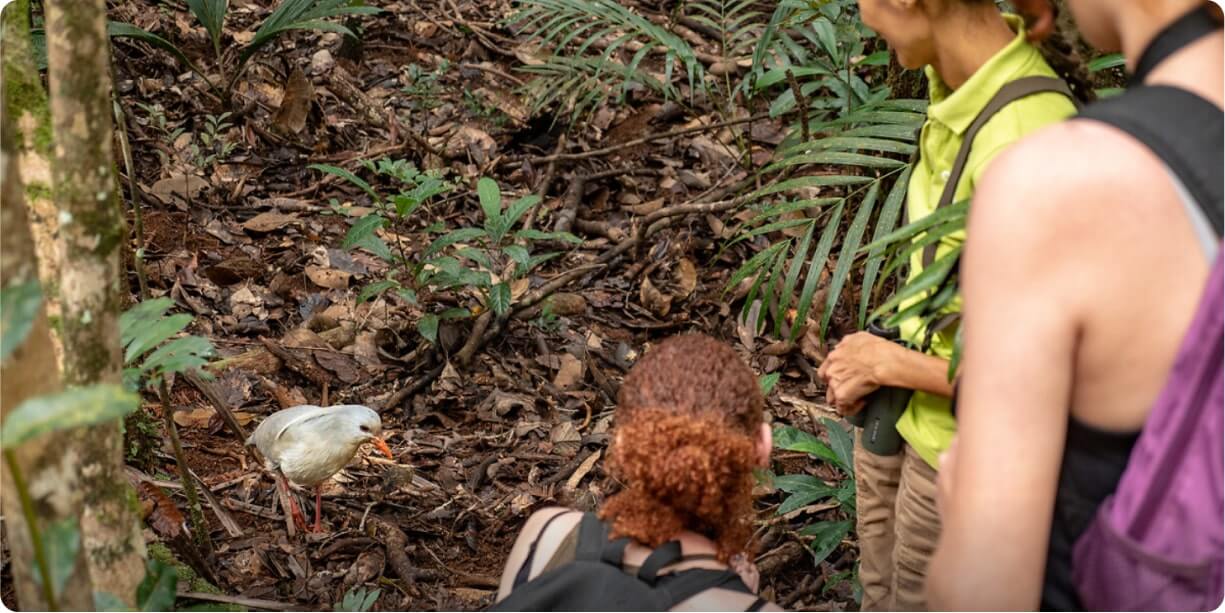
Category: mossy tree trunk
<point>91,235</point>
<point>49,468</point>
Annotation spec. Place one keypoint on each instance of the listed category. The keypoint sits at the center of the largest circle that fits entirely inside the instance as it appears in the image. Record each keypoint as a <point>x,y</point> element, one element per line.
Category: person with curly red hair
<point>689,431</point>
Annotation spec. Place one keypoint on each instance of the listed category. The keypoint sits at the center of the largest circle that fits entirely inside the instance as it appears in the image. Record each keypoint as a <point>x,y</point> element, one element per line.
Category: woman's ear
<point>765,442</point>
<point>1039,18</point>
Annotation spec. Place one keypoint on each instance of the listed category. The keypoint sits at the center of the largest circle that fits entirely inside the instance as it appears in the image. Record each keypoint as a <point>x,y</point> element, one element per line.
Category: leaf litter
<point>250,243</point>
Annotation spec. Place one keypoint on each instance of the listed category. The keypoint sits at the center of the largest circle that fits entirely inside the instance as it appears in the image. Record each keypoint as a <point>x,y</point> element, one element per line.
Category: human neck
<point>1140,22</point>
<point>969,35</point>
<point>1198,65</point>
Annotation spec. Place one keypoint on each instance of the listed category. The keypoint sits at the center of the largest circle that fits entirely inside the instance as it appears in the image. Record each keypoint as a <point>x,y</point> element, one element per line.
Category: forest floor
<point>240,232</point>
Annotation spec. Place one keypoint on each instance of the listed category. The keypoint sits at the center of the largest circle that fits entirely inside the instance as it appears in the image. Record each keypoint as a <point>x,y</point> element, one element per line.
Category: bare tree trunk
<point>32,369</point>
<point>91,237</point>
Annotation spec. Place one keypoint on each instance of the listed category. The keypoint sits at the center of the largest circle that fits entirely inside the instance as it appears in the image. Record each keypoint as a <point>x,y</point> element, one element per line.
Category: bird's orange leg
<point>298,519</point>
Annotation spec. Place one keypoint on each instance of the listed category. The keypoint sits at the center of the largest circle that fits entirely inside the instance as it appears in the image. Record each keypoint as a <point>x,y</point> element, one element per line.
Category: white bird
<point>307,444</point>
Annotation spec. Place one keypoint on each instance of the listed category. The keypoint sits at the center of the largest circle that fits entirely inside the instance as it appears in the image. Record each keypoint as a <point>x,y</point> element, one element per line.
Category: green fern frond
<point>584,39</point>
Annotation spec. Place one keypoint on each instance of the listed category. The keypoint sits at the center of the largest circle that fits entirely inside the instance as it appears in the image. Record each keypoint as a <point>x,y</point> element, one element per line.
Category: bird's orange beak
<point>382,446</point>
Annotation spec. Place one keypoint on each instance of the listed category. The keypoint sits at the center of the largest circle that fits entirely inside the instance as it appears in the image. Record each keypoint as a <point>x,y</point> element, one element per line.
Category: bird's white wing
<point>301,418</point>
<point>268,434</point>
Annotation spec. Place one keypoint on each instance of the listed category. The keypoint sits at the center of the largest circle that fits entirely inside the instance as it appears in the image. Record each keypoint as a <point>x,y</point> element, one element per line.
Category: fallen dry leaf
<point>565,437</point>
<point>569,373</point>
<point>656,301</point>
<point>202,417</point>
<point>471,142</point>
<point>645,208</point>
<point>518,288</point>
<point>567,305</point>
<point>328,277</point>
<point>244,302</point>
<point>165,518</point>
<point>268,221</point>
<point>184,188</point>
<point>686,278</point>
<point>343,366</point>
<point>582,470</point>
<point>295,105</point>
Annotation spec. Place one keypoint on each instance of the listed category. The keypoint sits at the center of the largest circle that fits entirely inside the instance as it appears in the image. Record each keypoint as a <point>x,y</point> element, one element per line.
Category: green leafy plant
<point>357,599</point>
<point>289,15</point>
<point>804,489</point>
<point>422,88</point>
<point>814,47</point>
<point>213,146</point>
<point>479,108</point>
<point>155,118</point>
<point>930,294</point>
<point>156,591</point>
<point>485,259</point>
<point>154,350</point>
<point>864,147</point>
<point>584,40</point>
<point>151,348</point>
<point>489,258</point>
<point>412,190</point>
<point>19,303</point>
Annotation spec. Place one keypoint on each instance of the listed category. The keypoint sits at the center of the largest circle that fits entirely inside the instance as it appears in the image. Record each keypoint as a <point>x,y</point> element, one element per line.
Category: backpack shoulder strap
<point>1182,129</point>
<point>1009,93</point>
<point>689,583</point>
<point>593,544</point>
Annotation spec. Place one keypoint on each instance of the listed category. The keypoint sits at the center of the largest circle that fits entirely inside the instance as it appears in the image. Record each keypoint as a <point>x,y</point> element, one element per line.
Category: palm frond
<point>584,39</point>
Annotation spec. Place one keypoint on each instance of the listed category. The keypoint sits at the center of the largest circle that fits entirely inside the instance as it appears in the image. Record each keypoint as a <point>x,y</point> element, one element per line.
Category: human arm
<point>530,533</point>
<point>863,362</point>
<point>1018,280</point>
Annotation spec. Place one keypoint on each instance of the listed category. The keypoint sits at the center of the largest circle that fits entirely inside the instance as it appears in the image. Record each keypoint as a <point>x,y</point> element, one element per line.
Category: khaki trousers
<point>897,526</point>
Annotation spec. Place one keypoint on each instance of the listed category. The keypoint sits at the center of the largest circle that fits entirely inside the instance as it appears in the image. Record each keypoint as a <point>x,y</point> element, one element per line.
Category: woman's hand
<point>854,369</point>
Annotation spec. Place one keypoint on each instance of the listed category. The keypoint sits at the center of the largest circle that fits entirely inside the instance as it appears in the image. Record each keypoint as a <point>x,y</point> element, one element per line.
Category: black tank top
<point>1093,463</point>
<point>1094,460</point>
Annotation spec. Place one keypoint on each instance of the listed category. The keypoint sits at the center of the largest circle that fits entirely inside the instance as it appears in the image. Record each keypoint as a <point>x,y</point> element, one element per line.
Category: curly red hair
<point>685,446</point>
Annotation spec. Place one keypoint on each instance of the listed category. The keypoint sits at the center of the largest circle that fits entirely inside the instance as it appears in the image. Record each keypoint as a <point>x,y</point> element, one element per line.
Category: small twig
<point>227,521</point>
<point>569,206</point>
<point>638,141</point>
<point>416,386</point>
<point>255,603</point>
<point>465,353</point>
<point>223,409</point>
<point>542,190</point>
<point>198,526</point>
<point>138,221</point>
<point>494,71</point>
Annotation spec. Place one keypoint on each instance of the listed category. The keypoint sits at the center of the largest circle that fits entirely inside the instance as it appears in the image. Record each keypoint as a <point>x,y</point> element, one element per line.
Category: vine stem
<point>36,539</point>
<point>199,528</point>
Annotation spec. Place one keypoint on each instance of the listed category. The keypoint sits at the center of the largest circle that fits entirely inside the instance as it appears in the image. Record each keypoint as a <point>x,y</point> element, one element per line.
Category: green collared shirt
<point>927,425</point>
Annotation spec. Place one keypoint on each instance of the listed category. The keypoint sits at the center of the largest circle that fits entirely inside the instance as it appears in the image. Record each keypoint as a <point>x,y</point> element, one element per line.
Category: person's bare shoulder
<point>1067,181</point>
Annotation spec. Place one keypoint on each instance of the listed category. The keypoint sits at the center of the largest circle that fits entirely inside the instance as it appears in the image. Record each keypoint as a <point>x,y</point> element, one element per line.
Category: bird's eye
<point>365,428</point>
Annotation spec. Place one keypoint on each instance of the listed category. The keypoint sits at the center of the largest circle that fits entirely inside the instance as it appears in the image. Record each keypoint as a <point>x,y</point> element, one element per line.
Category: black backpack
<point>595,580</point>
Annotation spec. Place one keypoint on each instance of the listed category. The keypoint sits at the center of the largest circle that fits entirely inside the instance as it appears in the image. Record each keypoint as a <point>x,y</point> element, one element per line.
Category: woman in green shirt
<point>969,51</point>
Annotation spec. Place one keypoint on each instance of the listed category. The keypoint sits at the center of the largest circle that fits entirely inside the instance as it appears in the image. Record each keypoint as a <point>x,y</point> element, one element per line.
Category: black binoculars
<point>882,409</point>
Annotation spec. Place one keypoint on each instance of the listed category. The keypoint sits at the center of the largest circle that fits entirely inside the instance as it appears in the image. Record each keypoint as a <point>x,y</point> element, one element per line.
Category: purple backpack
<point>1158,542</point>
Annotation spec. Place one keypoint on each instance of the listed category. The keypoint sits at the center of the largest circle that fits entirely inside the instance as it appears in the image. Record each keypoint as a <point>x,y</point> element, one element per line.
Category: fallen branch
<point>254,603</point>
<point>395,543</point>
<point>637,141</point>
<point>223,409</point>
